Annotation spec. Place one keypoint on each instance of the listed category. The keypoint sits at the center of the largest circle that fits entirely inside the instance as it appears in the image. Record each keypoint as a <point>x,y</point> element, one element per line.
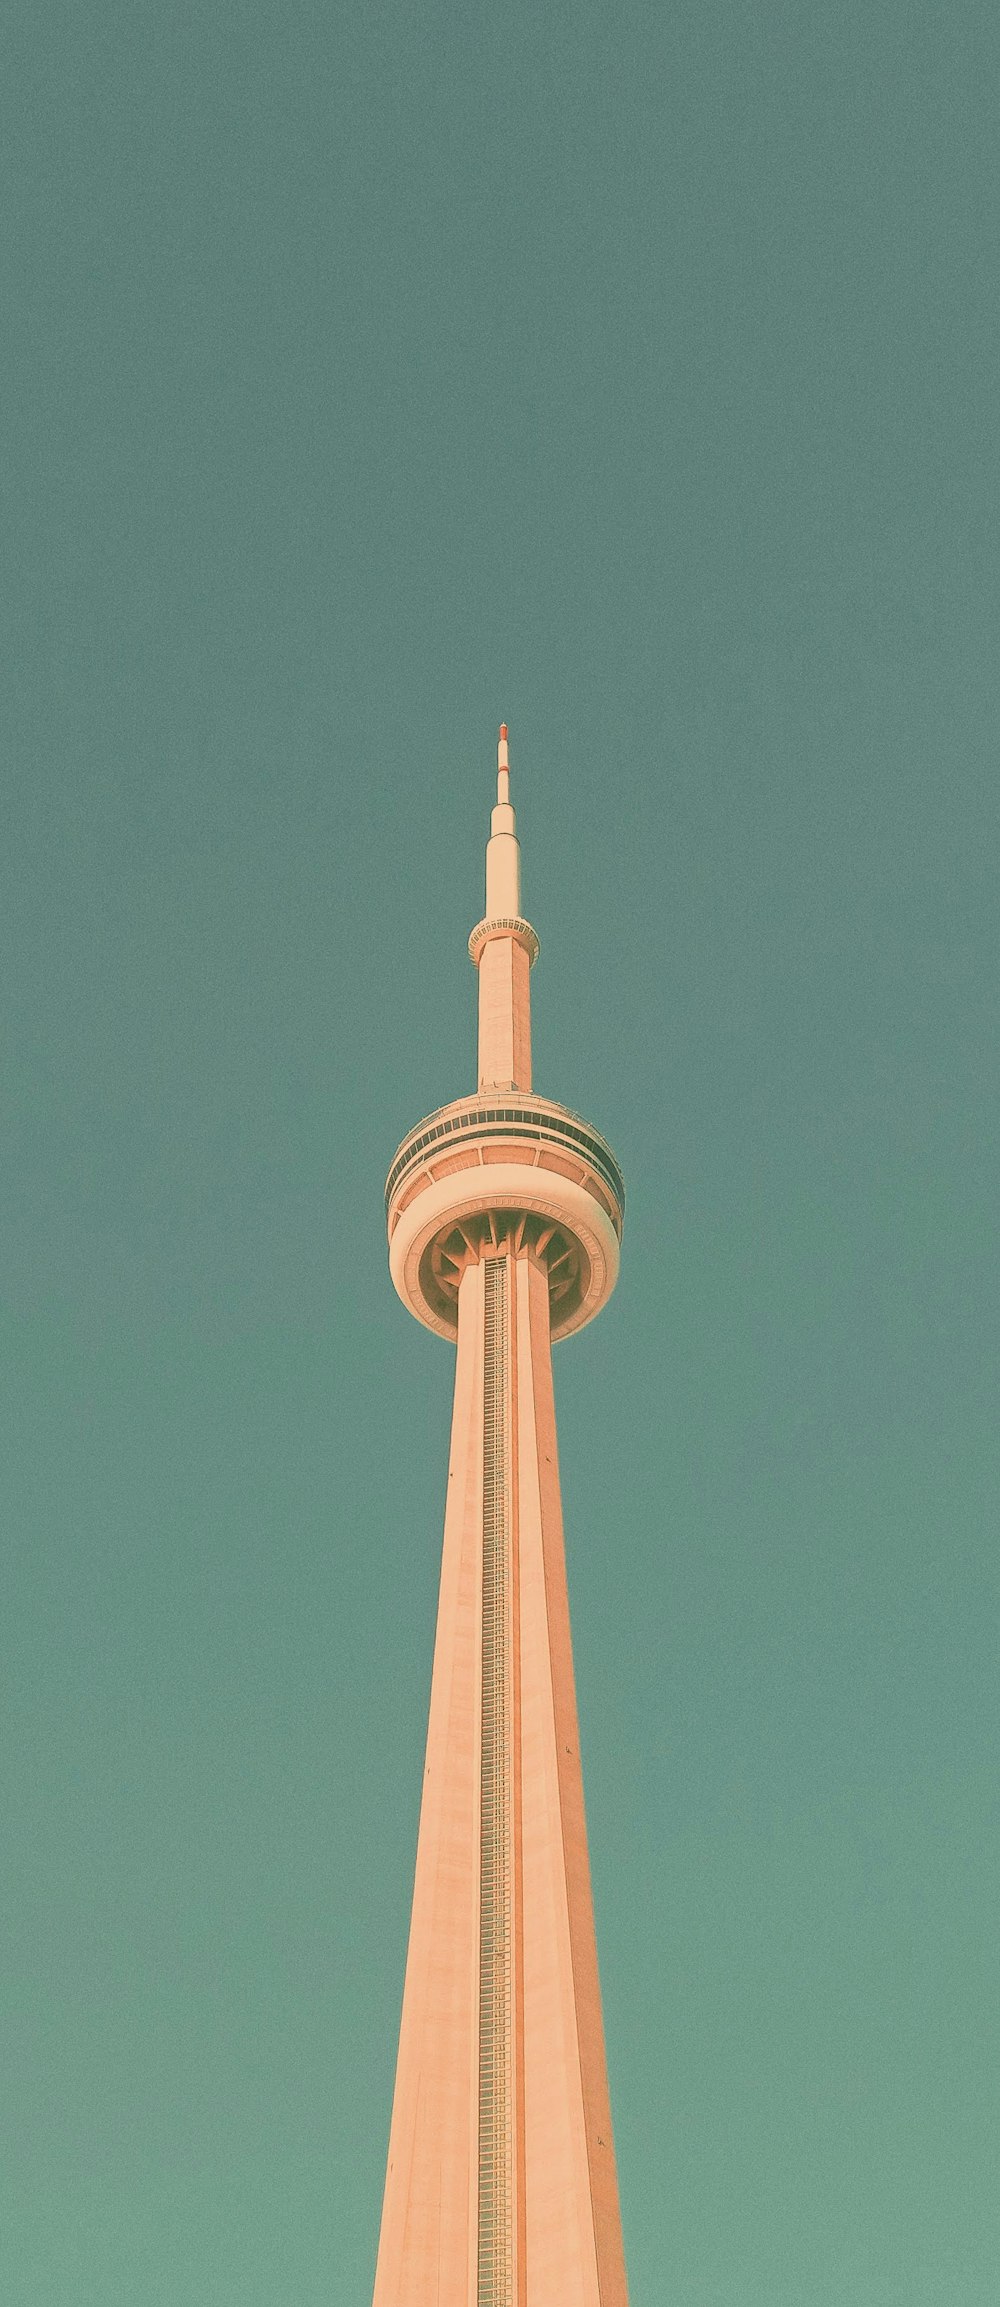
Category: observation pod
<point>504,1215</point>
<point>479,1174</point>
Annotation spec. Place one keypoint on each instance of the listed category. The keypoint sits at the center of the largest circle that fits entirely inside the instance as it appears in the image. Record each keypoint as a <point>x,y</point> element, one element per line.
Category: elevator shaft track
<point>496,1925</point>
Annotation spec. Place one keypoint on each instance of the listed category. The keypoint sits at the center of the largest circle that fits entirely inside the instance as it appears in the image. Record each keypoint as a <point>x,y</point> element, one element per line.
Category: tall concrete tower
<point>505,1216</point>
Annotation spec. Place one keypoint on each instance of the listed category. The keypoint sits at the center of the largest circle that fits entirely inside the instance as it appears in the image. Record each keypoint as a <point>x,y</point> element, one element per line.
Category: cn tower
<point>505,1216</point>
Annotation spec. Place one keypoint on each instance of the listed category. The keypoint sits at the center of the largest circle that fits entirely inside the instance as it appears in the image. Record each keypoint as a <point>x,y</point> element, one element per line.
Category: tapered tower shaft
<point>501,2187</point>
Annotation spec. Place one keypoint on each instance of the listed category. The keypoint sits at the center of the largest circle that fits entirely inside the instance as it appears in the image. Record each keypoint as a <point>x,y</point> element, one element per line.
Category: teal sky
<point>371,374</point>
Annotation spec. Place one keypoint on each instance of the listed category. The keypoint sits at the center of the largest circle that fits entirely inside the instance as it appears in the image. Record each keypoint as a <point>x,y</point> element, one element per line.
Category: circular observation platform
<point>504,1167</point>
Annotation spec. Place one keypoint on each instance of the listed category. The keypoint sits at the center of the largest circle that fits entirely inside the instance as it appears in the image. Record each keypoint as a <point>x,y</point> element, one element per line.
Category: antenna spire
<point>503,768</point>
<point>503,947</point>
<point>503,856</point>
